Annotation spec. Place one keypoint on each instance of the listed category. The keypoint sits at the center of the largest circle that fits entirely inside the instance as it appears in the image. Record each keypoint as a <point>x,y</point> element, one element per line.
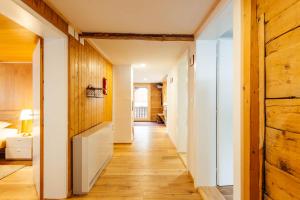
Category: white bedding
<point>6,132</point>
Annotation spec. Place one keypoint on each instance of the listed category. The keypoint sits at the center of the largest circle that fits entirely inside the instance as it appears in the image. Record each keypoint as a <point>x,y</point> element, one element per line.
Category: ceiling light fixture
<point>139,65</point>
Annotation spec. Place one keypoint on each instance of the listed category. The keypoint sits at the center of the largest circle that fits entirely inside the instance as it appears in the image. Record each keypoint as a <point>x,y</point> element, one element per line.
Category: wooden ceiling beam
<point>136,36</point>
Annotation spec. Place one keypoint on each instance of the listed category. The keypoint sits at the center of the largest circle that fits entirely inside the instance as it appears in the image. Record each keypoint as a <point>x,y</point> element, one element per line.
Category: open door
<point>37,117</point>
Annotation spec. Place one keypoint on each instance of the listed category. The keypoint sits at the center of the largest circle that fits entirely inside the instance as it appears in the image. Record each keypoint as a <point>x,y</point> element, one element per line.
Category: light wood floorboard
<point>147,169</point>
<point>227,191</point>
<point>18,186</point>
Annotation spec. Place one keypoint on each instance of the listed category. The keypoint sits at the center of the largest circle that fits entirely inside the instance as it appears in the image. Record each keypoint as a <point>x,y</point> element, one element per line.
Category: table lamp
<point>26,118</point>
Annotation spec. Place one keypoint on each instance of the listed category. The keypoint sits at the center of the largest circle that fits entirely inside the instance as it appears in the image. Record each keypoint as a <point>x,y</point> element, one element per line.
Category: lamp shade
<point>26,114</point>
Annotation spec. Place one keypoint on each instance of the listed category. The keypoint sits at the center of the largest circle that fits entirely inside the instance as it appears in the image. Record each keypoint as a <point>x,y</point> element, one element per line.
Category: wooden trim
<point>137,36</point>
<point>48,13</point>
<point>70,167</point>
<point>262,78</point>
<point>41,118</point>
<point>251,107</point>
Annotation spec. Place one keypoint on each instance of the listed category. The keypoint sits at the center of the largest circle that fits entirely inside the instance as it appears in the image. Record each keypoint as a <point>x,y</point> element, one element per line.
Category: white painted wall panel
<point>205,113</point>
<point>36,61</point>
<point>122,104</point>
<point>177,101</point>
<point>172,118</point>
<point>182,106</point>
<point>225,113</point>
<point>55,118</point>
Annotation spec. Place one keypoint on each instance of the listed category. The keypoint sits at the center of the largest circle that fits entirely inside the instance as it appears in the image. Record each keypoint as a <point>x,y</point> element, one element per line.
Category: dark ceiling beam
<point>136,36</point>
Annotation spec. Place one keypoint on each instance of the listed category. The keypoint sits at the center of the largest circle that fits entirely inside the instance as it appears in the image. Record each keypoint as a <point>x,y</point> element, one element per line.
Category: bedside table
<point>18,148</point>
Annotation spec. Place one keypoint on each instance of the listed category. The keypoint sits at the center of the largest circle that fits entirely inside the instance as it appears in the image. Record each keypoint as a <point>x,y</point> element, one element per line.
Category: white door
<point>36,116</point>
<point>225,113</point>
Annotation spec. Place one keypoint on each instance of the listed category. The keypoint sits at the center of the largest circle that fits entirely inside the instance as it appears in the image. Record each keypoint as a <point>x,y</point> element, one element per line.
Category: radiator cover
<point>92,150</point>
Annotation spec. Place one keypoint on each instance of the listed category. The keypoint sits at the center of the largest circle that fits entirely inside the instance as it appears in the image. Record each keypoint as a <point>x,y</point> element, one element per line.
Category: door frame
<point>19,12</point>
<point>148,86</point>
<point>41,118</point>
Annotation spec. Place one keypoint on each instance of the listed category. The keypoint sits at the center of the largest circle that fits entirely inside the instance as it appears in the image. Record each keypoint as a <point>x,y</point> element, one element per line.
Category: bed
<point>4,133</point>
<point>11,117</point>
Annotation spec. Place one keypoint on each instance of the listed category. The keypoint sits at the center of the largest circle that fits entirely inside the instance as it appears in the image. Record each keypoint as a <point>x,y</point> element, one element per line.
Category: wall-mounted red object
<point>104,84</point>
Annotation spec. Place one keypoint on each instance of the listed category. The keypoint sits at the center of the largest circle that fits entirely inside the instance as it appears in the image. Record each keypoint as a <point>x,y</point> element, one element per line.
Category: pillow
<point>4,124</point>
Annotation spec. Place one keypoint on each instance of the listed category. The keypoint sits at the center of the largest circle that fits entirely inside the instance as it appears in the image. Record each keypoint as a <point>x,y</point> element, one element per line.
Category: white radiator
<point>92,150</point>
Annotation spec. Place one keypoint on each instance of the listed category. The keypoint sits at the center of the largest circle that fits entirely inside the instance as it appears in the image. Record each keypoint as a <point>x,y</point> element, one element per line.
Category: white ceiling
<point>137,16</point>
<point>158,56</point>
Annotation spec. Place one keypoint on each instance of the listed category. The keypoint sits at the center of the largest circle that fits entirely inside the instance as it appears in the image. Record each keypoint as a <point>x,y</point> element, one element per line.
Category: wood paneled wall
<point>86,66</point>
<point>164,92</point>
<point>16,42</point>
<point>156,101</point>
<point>281,49</point>
<point>15,87</point>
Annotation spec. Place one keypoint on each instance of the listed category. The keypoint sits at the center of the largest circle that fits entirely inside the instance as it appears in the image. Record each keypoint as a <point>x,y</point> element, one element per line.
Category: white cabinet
<point>18,148</point>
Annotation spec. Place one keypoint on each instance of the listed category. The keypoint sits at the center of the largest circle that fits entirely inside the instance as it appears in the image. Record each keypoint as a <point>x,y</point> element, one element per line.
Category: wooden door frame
<point>252,136</point>
<point>41,118</point>
<point>148,86</point>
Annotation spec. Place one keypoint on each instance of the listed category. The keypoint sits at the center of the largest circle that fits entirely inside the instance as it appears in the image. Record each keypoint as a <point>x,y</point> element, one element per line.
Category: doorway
<point>21,109</point>
<point>50,71</point>
<point>142,106</point>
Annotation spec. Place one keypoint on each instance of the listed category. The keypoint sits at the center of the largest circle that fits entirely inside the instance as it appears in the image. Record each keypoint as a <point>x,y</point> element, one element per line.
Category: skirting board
<point>209,193</point>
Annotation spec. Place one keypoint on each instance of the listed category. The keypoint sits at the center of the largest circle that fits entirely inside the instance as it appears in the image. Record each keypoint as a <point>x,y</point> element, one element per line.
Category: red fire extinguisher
<point>104,83</point>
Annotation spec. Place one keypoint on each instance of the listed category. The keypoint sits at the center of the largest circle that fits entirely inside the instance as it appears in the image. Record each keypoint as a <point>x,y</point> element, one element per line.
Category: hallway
<point>147,169</point>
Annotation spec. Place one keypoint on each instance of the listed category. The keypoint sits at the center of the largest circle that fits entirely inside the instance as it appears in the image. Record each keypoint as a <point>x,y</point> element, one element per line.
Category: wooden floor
<point>148,169</point>
<point>18,186</point>
<point>227,192</point>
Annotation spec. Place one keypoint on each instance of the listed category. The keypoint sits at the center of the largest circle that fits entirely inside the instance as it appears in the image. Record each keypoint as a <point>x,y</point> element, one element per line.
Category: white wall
<point>202,144</point>
<point>225,113</point>
<point>55,118</point>
<point>122,104</point>
<point>205,113</point>
<point>36,131</point>
<point>192,148</point>
<point>177,93</point>
<point>237,100</point>
<point>172,119</point>
<point>182,105</point>
<point>55,95</point>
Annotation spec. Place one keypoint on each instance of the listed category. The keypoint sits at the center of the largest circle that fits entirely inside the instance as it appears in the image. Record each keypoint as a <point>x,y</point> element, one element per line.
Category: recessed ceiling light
<point>145,79</point>
<point>139,65</point>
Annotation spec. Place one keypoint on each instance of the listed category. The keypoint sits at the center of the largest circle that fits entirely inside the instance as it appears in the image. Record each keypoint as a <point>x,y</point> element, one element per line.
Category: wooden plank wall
<point>15,91</point>
<point>156,101</point>
<point>164,91</point>
<point>15,88</point>
<point>282,103</point>
<point>86,66</point>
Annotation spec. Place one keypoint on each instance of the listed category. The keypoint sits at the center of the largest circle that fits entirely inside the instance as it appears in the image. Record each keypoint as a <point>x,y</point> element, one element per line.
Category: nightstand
<point>18,147</point>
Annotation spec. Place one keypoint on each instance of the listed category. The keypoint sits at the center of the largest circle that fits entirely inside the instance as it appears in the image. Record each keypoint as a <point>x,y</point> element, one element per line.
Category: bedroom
<point>17,46</point>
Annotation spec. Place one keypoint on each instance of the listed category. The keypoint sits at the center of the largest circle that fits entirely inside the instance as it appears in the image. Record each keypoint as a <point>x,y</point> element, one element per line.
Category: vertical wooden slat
<point>261,62</point>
